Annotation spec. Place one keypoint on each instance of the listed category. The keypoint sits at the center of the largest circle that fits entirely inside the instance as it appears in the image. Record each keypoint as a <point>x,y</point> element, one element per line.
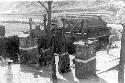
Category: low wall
<point>29,55</point>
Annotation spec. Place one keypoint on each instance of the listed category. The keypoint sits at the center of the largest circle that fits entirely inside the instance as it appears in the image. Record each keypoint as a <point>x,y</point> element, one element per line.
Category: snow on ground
<point>110,76</point>
<point>21,74</point>
<point>115,26</point>
<point>106,62</point>
<point>26,74</point>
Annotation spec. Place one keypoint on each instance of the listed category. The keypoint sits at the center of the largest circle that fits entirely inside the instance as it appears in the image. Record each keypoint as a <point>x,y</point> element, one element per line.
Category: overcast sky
<point>8,4</point>
<point>5,5</point>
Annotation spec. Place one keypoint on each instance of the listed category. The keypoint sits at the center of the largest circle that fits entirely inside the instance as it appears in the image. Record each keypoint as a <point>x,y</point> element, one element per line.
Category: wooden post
<point>122,58</point>
<point>85,29</point>
<point>82,29</point>
<point>45,23</point>
<point>63,24</point>
<point>22,20</point>
<point>49,15</point>
<point>54,77</point>
<point>30,23</point>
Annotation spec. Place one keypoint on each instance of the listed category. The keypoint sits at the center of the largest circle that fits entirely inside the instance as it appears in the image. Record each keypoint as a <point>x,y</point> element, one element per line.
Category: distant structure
<point>37,32</point>
<point>2,31</point>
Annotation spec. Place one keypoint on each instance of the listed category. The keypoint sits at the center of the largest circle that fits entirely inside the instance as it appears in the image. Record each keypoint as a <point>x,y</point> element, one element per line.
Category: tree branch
<point>43,5</point>
<point>50,2</point>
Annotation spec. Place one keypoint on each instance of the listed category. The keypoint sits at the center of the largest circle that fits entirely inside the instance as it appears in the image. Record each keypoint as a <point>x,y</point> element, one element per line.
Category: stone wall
<point>29,55</point>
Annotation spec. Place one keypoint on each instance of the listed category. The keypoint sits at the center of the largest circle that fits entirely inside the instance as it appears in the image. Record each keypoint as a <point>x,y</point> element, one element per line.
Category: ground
<point>106,67</point>
<point>29,74</point>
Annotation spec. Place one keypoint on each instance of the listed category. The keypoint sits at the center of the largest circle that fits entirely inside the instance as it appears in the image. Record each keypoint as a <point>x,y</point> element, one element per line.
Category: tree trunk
<point>122,58</point>
<point>30,23</point>
<point>45,23</point>
<point>49,16</point>
<point>54,77</point>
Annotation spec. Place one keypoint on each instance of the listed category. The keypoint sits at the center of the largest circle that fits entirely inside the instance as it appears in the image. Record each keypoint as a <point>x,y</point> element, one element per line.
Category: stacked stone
<point>12,48</point>
<point>64,63</point>
<point>85,61</point>
<point>29,55</point>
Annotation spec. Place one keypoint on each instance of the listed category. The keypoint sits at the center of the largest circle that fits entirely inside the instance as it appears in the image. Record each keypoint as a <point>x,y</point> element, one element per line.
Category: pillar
<point>85,61</point>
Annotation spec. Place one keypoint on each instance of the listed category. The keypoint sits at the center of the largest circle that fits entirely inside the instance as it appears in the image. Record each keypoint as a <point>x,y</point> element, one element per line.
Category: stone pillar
<point>85,61</point>
<point>64,63</point>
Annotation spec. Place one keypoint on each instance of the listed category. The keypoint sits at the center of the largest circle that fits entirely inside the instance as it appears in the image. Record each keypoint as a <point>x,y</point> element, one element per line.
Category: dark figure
<point>41,45</point>
<point>58,43</point>
<point>41,60</point>
<point>12,47</point>
<point>63,44</point>
<point>64,59</point>
<point>2,46</point>
<point>103,42</point>
<point>70,46</point>
<point>44,50</point>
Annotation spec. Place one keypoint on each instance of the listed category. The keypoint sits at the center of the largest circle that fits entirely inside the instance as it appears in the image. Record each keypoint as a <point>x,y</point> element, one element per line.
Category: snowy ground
<point>107,64</point>
<point>26,74</point>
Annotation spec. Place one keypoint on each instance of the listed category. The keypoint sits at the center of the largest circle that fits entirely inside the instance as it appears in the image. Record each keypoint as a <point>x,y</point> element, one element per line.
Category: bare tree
<point>48,10</point>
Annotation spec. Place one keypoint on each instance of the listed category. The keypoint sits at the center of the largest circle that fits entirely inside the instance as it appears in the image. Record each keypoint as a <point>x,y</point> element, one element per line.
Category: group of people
<point>58,43</point>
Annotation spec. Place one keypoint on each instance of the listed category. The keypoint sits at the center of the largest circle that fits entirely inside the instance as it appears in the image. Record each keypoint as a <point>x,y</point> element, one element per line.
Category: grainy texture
<point>28,56</point>
<point>85,70</point>
<point>64,63</point>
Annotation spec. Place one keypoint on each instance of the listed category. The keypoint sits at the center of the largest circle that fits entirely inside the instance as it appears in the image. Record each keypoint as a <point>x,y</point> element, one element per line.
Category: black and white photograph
<point>62,41</point>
